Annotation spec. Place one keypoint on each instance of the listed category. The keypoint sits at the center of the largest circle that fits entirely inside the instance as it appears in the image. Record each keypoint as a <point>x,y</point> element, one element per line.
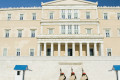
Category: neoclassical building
<point>61,28</point>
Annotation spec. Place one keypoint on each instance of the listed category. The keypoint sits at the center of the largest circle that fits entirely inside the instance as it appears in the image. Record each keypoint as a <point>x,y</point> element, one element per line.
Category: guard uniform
<point>62,76</point>
<point>84,77</point>
<point>72,77</point>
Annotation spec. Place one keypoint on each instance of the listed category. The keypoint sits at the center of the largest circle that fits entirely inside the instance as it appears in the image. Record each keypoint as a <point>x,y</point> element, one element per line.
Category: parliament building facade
<point>61,34</point>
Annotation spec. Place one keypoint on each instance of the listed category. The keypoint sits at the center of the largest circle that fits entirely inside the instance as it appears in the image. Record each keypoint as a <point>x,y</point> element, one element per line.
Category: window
<point>5,52</point>
<point>107,33</point>
<point>19,33</point>
<point>118,32</point>
<point>9,16</point>
<point>18,52</point>
<point>118,16</point>
<point>69,29</point>
<point>109,52</point>
<point>34,16</point>
<point>63,14</point>
<point>105,16</point>
<point>51,15</point>
<point>31,52</point>
<point>7,33</point>
<point>75,14</point>
<point>75,29</point>
<point>50,31</point>
<point>89,31</point>
<point>63,29</point>
<point>32,33</point>
<point>21,16</point>
<point>18,72</point>
<point>69,14</point>
<point>87,15</point>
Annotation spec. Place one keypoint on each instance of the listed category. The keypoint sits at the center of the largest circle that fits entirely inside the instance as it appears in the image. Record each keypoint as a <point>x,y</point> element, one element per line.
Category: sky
<point>37,3</point>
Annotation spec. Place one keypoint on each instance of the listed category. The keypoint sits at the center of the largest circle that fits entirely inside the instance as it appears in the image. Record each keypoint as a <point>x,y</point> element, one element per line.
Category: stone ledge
<point>77,58</point>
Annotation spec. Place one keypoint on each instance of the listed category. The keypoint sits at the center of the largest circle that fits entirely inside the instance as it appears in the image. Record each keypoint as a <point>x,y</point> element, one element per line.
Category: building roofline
<point>108,7</point>
<point>19,8</point>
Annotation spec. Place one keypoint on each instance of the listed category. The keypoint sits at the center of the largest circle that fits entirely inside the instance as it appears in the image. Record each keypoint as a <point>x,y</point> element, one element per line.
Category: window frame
<point>33,16</point>
<point>51,16</point>
<point>9,17</point>
<point>76,30</point>
<point>107,51</point>
<point>105,17</point>
<point>63,13</point>
<point>49,31</point>
<point>6,51</point>
<point>19,52</point>
<point>18,33</point>
<point>63,31</point>
<point>33,52</point>
<point>87,31</point>
<point>21,16</point>
<point>106,33</point>
<point>7,34</point>
<point>31,33</point>
<point>88,15</point>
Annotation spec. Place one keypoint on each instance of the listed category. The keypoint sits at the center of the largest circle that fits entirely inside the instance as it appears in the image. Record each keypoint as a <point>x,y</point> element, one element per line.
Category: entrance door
<point>69,52</point>
<point>91,52</point>
<point>48,52</point>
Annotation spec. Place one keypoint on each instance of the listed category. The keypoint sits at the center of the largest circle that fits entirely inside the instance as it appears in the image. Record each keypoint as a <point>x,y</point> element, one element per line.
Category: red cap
<point>73,73</point>
<point>84,73</point>
<point>61,73</point>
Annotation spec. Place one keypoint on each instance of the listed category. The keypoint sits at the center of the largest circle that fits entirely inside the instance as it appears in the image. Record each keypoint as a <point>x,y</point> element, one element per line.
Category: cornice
<point>20,8</point>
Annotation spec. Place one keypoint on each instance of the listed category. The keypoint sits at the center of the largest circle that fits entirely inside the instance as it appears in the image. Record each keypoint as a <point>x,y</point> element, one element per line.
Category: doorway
<point>48,52</point>
<point>69,52</point>
<point>91,52</point>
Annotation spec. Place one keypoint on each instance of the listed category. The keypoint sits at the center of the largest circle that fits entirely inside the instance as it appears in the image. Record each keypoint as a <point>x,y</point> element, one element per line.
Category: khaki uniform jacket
<point>72,77</point>
<point>83,77</point>
<point>61,77</point>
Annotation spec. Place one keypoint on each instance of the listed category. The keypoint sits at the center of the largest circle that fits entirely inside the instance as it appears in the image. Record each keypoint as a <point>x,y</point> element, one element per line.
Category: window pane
<point>50,31</point>
<point>18,72</point>
<point>63,29</point>
<point>88,31</point>
<point>32,33</point>
<point>9,16</point>
<point>51,15</point>
<point>118,16</point>
<point>69,14</point>
<point>31,52</point>
<point>75,14</point>
<point>107,32</point>
<point>109,52</point>
<point>105,16</point>
<point>19,33</point>
<point>21,16</point>
<point>69,29</point>
<point>18,52</point>
<point>75,29</point>
<point>34,16</point>
<point>63,14</point>
<point>7,33</point>
<point>87,15</point>
<point>5,52</point>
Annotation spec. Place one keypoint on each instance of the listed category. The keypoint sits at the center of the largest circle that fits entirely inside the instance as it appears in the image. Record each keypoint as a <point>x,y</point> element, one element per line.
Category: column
<point>52,49</point>
<point>80,49</point>
<point>39,50</point>
<point>73,49</point>
<point>88,49</point>
<point>44,49</point>
<point>59,49</point>
<point>66,49</point>
<point>95,49</point>
<point>102,49</point>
